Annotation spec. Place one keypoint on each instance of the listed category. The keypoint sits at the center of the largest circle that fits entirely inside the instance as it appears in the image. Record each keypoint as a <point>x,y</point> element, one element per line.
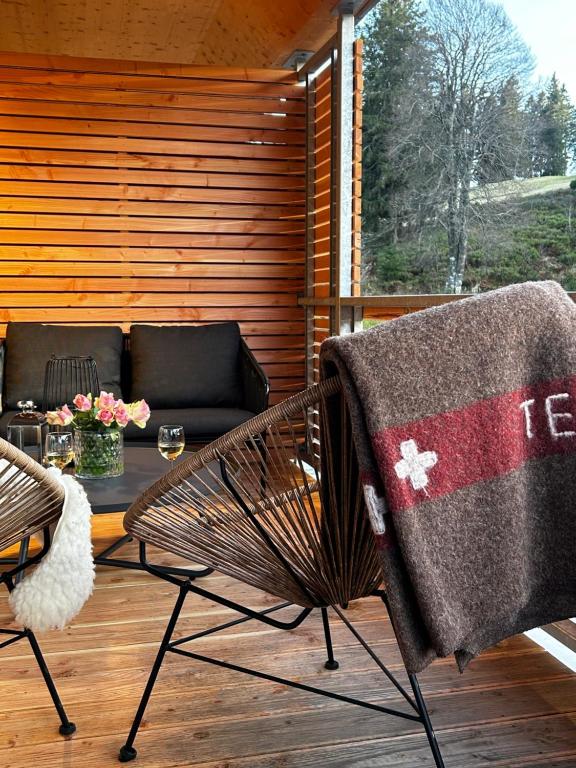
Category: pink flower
<point>61,417</point>
<point>106,416</point>
<point>106,400</point>
<point>139,413</point>
<point>121,413</point>
<point>82,402</point>
<point>52,418</point>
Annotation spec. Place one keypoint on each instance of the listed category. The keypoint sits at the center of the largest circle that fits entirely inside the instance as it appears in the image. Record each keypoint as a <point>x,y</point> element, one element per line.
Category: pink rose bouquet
<point>100,413</point>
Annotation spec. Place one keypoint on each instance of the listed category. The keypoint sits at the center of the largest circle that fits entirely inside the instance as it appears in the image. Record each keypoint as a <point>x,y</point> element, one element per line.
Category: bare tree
<point>475,52</point>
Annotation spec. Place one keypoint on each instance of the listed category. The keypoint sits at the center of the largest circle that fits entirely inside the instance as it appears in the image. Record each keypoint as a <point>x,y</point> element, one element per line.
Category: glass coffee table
<point>143,466</point>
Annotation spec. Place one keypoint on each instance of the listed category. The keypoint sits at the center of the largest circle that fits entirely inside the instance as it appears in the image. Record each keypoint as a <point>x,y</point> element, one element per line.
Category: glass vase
<point>99,454</point>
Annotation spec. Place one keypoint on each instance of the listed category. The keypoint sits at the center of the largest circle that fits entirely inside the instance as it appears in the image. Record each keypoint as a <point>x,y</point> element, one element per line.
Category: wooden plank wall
<point>135,192</point>
<point>357,171</point>
<point>324,151</point>
<point>325,197</point>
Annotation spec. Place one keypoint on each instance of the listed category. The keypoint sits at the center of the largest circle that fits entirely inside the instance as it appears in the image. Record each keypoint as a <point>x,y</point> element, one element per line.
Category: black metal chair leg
<point>426,721</point>
<point>67,727</point>
<point>22,557</point>
<point>421,704</point>
<point>331,662</point>
<point>127,752</point>
<point>104,559</point>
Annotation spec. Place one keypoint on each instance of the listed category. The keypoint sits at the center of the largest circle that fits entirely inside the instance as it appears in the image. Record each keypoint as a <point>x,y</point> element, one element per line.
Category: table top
<point>142,467</point>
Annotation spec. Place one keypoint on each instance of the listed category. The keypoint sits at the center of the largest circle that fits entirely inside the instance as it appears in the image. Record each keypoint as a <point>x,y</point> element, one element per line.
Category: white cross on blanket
<point>414,464</point>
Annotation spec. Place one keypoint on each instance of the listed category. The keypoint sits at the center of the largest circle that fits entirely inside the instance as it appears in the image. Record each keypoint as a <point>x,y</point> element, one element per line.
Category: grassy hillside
<point>507,190</point>
<point>526,232</point>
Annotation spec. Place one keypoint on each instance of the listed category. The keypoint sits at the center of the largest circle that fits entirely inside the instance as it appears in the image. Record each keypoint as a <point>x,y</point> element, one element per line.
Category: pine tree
<point>558,126</point>
<point>393,63</point>
<point>503,147</point>
<point>536,151</point>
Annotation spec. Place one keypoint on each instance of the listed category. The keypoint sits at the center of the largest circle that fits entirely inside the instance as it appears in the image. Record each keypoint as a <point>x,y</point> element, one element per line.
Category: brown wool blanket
<point>464,419</point>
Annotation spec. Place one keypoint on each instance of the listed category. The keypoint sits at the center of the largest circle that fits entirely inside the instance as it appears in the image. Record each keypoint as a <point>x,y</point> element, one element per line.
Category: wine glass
<point>59,449</point>
<point>171,441</point>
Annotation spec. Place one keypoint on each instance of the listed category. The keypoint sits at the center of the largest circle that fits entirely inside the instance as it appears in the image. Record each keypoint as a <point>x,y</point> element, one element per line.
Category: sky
<point>549,28</point>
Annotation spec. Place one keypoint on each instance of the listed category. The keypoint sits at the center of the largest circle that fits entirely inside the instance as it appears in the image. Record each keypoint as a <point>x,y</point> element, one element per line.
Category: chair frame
<point>53,501</point>
<point>67,728</point>
<point>186,586</point>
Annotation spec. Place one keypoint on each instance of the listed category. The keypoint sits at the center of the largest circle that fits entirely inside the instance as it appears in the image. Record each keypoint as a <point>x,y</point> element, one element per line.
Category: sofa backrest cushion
<point>186,366</point>
<point>29,346</point>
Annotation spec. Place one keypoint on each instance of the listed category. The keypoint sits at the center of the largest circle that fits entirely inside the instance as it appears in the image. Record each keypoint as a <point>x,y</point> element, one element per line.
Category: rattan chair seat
<point>30,498</point>
<point>252,505</point>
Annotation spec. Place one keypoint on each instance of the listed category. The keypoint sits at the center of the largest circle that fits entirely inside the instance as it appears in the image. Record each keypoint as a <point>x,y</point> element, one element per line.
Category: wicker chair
<point>30,501</point>
<point>254,504</point>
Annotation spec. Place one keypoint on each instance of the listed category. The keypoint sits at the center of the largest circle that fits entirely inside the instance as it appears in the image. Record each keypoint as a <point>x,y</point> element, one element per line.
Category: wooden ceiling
<point>221,32</point>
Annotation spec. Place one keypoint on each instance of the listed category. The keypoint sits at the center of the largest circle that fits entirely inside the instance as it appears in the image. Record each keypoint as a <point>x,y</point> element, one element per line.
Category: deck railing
<point>329,316</point>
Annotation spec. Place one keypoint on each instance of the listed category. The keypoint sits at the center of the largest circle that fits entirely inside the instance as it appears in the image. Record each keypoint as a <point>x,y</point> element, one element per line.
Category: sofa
<point>202,377</point>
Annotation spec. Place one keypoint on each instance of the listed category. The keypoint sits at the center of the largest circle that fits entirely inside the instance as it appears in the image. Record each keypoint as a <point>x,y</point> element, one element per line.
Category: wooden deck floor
<point>514,707</point>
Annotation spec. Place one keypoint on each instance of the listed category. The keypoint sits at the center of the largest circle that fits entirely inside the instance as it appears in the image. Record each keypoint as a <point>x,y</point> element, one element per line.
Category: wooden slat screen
<point>132,193</point>
<point>323,211</point>
<point>321,185</point>
<point>357,172</point>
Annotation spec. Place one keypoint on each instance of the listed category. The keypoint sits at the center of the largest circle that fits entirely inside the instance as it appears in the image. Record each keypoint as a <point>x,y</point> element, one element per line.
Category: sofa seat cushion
<point>29,346</point>
<point>186,366</point>
<point>200,424</point>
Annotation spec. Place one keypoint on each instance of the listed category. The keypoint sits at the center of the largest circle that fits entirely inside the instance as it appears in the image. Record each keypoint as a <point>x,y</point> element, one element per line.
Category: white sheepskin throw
<point>54,593</point>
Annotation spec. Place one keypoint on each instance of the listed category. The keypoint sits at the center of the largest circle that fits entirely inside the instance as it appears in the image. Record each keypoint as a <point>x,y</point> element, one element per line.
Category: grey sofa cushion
<point>29,346</point>
<point>199,423</point>
<point>186,366</point>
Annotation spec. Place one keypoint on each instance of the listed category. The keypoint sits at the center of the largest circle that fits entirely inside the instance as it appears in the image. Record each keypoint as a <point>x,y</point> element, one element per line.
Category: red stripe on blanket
<point>438,455</point>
